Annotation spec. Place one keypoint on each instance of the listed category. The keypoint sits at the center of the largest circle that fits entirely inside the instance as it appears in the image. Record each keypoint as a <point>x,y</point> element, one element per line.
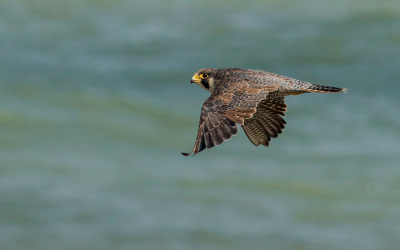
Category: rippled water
<point>96,106</point>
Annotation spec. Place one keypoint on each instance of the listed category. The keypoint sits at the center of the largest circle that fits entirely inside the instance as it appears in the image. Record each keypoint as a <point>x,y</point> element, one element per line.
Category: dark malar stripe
<point>205,84</point>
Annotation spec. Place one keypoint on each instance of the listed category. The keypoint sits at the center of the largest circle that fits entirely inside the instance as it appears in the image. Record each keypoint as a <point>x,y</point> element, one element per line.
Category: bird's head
<point>205,78</point>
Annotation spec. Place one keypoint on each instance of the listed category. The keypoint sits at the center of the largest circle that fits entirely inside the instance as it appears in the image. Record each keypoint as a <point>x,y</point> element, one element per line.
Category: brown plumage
<point>254,99</point>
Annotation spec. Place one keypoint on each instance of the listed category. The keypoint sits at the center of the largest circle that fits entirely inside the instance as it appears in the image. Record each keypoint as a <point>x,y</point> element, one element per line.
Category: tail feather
<point>324,89</point>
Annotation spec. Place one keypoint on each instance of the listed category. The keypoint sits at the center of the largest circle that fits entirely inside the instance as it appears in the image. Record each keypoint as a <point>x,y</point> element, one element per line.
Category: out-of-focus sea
<point>96,105</point>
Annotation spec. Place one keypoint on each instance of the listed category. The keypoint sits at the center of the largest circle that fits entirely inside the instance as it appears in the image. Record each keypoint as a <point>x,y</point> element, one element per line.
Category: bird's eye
<point>203,76</point>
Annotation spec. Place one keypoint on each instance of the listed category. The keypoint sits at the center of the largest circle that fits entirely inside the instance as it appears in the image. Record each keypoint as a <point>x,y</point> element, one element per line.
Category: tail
<point>314,88</point>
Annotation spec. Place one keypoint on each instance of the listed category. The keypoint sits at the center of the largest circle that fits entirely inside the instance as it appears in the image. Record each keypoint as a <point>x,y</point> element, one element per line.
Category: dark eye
<point>205,75</point>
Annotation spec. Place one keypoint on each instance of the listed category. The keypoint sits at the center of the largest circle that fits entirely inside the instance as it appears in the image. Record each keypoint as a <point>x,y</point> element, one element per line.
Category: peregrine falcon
<point>255,99</point>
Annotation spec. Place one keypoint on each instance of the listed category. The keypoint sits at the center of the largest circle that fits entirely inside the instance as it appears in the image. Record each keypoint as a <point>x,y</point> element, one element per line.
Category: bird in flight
<point>255,99</point>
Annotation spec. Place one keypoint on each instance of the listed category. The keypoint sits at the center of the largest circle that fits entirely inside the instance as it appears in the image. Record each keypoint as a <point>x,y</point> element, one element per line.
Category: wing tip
<point>186,154</point>
<point>265,142</point>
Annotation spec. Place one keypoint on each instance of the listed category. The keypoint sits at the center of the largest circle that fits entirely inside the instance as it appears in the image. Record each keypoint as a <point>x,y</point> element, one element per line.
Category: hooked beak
<point>195,79</point>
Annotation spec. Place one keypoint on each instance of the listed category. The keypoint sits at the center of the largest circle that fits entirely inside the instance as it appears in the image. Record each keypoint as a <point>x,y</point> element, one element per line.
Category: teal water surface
<point>96,105</point>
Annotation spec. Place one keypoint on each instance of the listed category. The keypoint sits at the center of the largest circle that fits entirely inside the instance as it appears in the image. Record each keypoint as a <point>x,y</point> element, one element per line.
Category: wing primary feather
<point>263,133</point>
<point>202,144</point>
<point>208,140</point>
<point>214,138</point>
<point>248,129</point>
<point>280,122</point>
<point>224,132</point>
<point>218,135</point>
<point>276,127</point>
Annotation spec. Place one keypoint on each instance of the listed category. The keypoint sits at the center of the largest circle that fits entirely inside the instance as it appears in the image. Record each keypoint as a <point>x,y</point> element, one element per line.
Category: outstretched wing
<point>266,122</point>
<point>214,129</point>
<point>231,102</point>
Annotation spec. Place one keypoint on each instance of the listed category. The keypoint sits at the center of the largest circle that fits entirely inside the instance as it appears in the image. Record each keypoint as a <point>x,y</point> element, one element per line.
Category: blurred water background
<point>96,105</point>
